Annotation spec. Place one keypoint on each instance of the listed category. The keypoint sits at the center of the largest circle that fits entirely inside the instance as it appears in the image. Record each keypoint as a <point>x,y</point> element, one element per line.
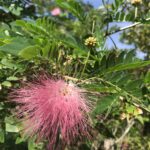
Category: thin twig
<point>129,126</point>
<point>113,42</point>
<point>88,55</point>
<point>125,28</point>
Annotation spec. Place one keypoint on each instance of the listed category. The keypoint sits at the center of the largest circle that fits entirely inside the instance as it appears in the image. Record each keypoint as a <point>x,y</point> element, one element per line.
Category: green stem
<point>93,26</point>
<point>87,58</point>
<point>136,12</point>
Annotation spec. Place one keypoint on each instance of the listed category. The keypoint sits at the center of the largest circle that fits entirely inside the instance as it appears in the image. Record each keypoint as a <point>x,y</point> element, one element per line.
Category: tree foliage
<point>116,82</point>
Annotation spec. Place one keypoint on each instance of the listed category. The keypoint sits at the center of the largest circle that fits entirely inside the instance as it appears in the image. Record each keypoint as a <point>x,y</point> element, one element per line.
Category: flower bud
<point>91,41</point>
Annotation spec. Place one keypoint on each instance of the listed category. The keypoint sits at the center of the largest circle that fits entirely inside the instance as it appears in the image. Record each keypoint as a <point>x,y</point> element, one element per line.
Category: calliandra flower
<point>53,108</point>
<point>56,11</point>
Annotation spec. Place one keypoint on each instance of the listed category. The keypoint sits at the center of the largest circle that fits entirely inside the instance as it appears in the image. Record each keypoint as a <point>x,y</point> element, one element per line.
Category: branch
<point>125,28</point>
<point>110,143</point>
<point>129,126</point>
<point>118,89</point>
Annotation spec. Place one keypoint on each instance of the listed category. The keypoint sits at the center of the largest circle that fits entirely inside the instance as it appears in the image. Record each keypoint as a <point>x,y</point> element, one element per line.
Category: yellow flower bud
<point>123,116</point>
<point>135,2</point>
<point>140,111</point>
<point>90,41</point>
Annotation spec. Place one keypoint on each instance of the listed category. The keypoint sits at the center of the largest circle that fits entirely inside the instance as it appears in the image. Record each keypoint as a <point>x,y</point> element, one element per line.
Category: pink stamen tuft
<point>53,108</point>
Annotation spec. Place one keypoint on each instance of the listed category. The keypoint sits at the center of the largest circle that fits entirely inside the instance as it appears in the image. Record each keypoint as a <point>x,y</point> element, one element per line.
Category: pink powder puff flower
<point>56,11</point>
<point>53,108</point>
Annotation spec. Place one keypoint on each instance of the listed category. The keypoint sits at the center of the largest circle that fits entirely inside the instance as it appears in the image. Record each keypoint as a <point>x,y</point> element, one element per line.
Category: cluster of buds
<point>123,116</point>
<point>54,66</point>
<point>136,2</point>
<point>90,41</point>
<point>68,60</point>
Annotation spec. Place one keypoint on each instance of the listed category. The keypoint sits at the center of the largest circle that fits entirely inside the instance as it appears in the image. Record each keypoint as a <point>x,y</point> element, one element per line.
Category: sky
<point>96,3</point>
<point>116,36</point>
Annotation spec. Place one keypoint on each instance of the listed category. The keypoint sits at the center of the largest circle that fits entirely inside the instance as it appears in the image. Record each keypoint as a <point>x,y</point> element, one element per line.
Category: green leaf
<point>1,43</point>
<point>2,136</point>
<point>31,145</point>
<point>147,77</point>
<point>15,46</point>
<point>20,140</point>
<point>104,103</point>
<point>73,7</point>
<point>9,120</point>
<point>12,128</point>
<point>116,4</point>
<point>6,84</point>
<point>111,59</point>
<point>12,78</point>
<point>128,66</point>
<point>29,52</point>
<point>9,64</point>
<point>2,106</point>
<point>120,58</point>
<point>133,85</point>
<point>50,50</point>
<point>103,63</point>
<point>129,57</point>
<point>17,11</point>
<point>130,109</point>
<point>140,119</point>
<point>41,27</point>
<point>78,48</point>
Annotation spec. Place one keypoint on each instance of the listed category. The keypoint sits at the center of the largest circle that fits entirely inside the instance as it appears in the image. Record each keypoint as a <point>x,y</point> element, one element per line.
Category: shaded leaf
<point>104,103</point>
<point>15,46</point>
<point>29,52</point>
<point>2,136</point>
